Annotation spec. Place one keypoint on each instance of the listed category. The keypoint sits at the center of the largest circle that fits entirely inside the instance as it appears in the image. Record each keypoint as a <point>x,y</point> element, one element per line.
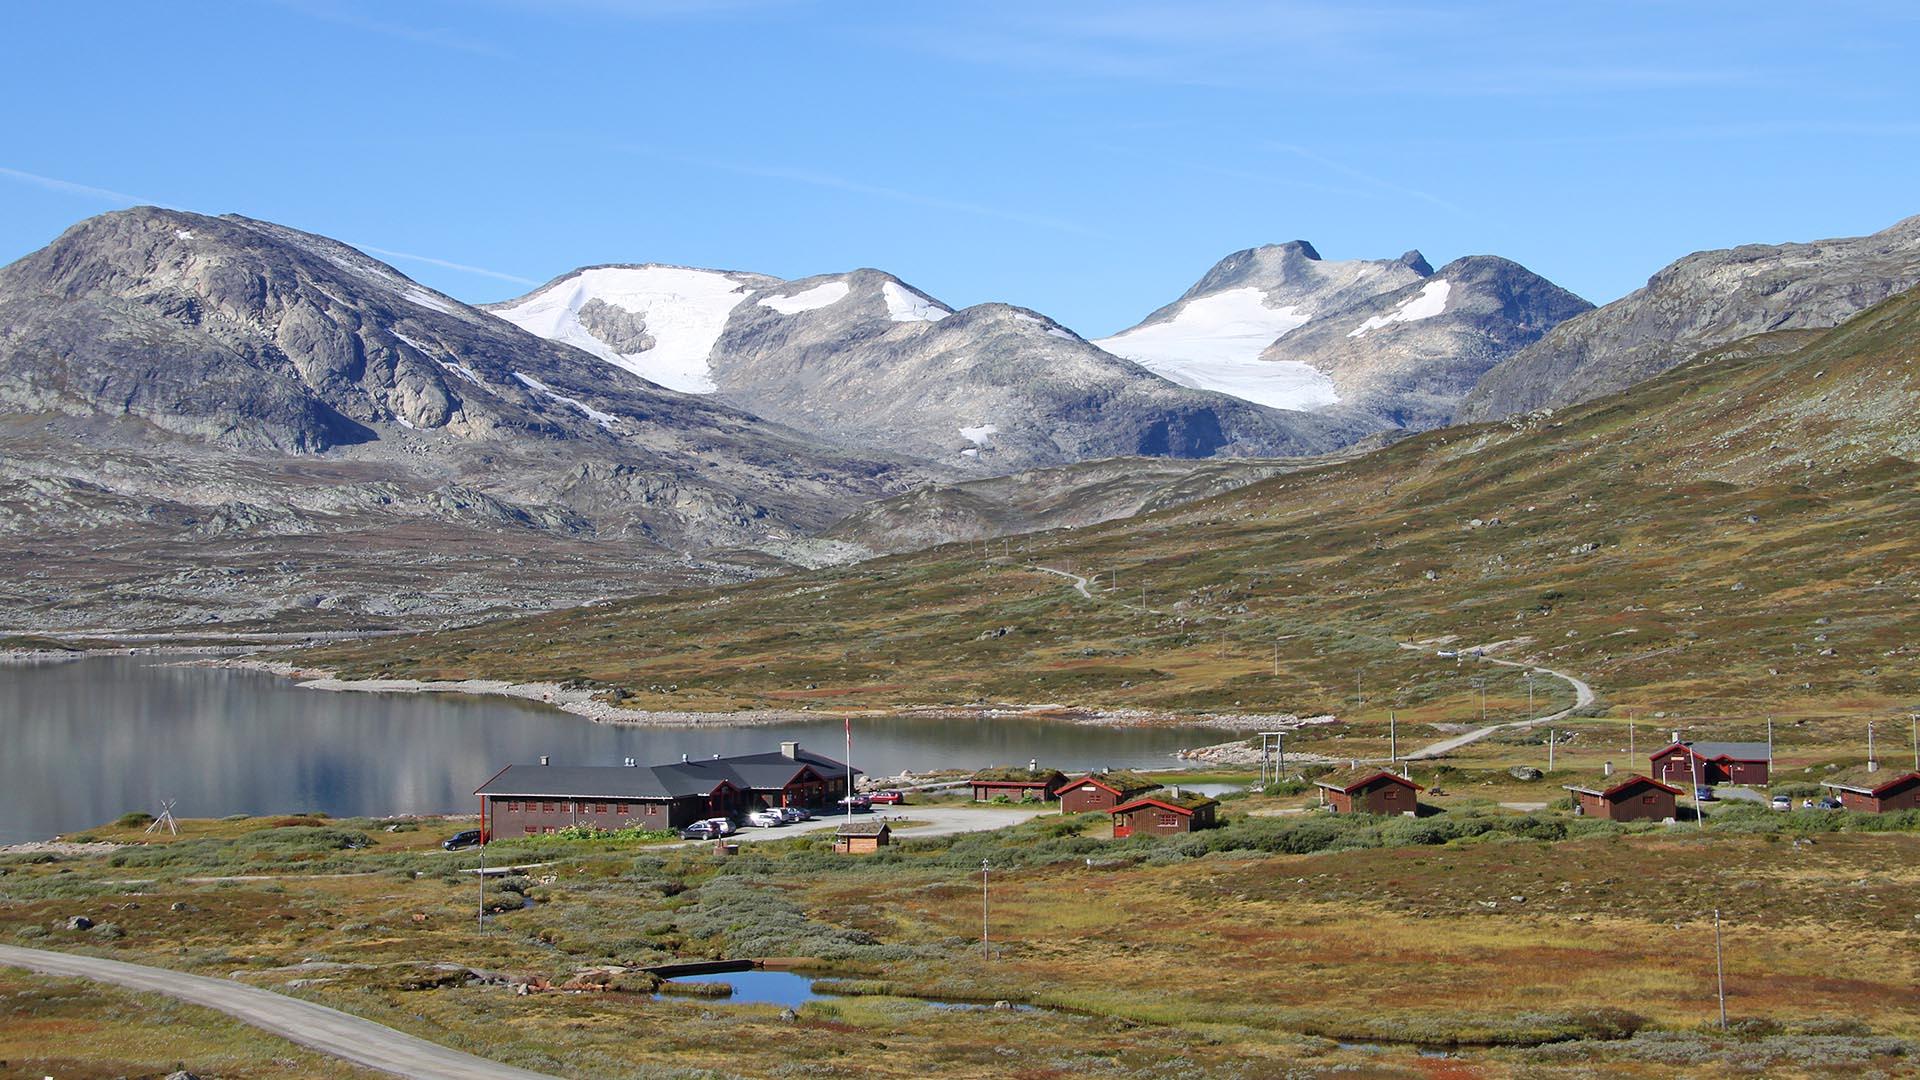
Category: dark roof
<point>770,771</point>
<point>604,781</point>
<point>1860,780</point>
<point>1016,774</point>
<point>1608,785</point>
<point>1125,782</point>
<point>1349,779</point>
<point>863,828</point>
<point>1735,751</point>
<point>1185,803</point>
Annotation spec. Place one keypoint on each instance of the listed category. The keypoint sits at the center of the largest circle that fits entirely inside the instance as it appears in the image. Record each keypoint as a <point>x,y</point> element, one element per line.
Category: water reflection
<point>85,741</point>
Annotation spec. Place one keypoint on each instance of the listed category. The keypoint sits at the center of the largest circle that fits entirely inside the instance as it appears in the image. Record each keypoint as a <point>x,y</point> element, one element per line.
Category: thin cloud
<point>447,264</point>
<point>68,187</point>
<point>433,36</point>
<point>1367,178</point>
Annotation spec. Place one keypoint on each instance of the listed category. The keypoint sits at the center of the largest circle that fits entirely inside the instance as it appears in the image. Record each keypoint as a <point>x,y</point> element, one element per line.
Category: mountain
<point>866,362</point>
<point>1378,344</point>
<point>163,371</point>
<point>1737,537</point>
<point>1066,496</point>
<point>1706,299</point>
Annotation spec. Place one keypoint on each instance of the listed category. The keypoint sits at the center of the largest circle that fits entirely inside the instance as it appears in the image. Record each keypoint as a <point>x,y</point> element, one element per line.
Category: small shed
<point>862,837</point>
<point>1103,790</point>
<point>1162,814</point>
<point>1876,791</point>
<point>1624,797</point>
<point>1369,789</point>
<point>1708,763</point>
<point>1031,784</point>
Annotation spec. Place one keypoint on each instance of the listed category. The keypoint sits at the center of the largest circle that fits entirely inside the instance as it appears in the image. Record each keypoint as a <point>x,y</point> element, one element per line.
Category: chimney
<point>543,759</point>
<point>790,750</point>
<point>631,763</point>
<point>1606,768</point>
<point>1033,764</point>
<point>683,759</point>
<point>1175,789</point>
<point>1676,736</point>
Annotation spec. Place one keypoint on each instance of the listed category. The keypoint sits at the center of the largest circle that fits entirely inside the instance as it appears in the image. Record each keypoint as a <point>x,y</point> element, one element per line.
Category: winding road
<point>1583,695</point>
<point>315,1027</point>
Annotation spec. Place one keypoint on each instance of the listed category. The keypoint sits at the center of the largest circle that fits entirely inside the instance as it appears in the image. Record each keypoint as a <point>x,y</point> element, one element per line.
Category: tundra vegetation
<point>1283,943</point>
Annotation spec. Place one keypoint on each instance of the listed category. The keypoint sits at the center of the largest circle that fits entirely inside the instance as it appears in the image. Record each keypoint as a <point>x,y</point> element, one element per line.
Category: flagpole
<point>849,722</point>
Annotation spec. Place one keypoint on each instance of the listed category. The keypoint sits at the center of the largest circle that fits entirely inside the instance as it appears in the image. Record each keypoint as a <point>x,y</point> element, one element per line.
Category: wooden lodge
<point>1031,784</point>
<point>1369,789</point>
<point>1103,790</point>
<point>1876,791</point>
<point>1163,814</point>
<point>1624,797</point>
<point>862,837</point>
<point>1709,763</point>
<point>525,800</point>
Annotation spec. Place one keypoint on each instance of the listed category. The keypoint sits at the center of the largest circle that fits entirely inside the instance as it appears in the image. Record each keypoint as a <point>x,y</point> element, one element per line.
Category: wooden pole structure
<point>1550,742</point>
<point>482,875</point>
<point>985,952</point>
<point>1629,734</point>
<point>1719,969</point>
<point>1769,749</point>
<point>1699,818</point>
<point>1393,738</point>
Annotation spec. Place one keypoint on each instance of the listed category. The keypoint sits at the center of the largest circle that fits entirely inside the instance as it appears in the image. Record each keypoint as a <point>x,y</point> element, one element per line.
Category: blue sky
<point>1089,160</point>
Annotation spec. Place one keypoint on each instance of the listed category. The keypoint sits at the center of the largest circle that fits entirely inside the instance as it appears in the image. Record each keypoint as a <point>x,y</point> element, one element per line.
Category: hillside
<point>1738,536</point>
<point>1707,299</point>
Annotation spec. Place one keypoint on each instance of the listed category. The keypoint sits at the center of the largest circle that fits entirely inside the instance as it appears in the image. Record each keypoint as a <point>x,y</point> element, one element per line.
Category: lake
<point>84,741</point>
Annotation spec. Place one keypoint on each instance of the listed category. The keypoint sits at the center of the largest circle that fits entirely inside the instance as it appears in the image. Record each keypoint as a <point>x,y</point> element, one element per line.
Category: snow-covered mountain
<point>1378,343</point>
<point>864,361</point>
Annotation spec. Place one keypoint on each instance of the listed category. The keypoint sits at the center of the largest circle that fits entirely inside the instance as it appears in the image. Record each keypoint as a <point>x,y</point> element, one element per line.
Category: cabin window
<point>531,829</point>
<point>1164,819</point>
<point>1647,800</point>
<point>623,808</point>
<point>1393,793</point>
<point>548,807</point>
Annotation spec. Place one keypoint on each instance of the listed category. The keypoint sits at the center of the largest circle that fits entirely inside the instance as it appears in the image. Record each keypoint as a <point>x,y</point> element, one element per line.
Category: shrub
<point>134,820</point>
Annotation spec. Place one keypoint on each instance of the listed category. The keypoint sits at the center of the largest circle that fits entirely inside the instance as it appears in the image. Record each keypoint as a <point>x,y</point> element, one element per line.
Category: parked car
<point>702,830</point>
<point>1703,793</point>
<point>463,839</point>
<point>1831,803</point>
<point>859,803</point>
<point>887,798</point>
<point>725,825</point>
<point>1781,802</point>
<point>796,813</point>
<point>766,819</point>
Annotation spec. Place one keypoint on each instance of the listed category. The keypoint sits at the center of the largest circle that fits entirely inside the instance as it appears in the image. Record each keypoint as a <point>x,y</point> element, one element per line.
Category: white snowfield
<point>685,311</point>
<point>825,294</point>
<point>1214,343</point>
<point>1431,301</point>
<point>978,436</point>
<point>904,305</point>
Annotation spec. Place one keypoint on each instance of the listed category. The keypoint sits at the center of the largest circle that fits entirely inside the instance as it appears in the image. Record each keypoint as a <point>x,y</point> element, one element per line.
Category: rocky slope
<point>1375,344</point>
<point>1706,299</point>
<point>166,376</point>
<point>866,362</point>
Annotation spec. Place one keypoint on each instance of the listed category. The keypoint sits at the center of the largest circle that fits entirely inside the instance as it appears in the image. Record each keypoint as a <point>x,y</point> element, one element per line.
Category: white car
<point>766,819</point>
<point>721,826</point>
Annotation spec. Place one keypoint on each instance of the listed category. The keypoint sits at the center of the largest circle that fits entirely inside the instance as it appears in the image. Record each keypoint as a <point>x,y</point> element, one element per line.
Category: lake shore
<point>583,703</point>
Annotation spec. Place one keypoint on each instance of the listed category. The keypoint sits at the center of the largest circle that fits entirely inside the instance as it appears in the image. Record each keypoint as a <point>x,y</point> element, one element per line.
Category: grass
<point>1477,928</point>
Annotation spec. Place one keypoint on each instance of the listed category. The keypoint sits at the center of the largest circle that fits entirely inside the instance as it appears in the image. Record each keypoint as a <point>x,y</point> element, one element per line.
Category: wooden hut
<point>1031,784</point>
<point>862,837</point>
<point>1708,763</point>
<point>1876,791</point>
<point>1163,814</point>
<point>1369,789</point>
<point>1624,797</point>
<point>1103,791</point>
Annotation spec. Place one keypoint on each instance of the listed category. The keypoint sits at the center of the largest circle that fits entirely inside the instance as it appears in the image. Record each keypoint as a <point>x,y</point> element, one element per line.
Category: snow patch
<point>184,234</point>
<point>685,311</point>
<point>971,451</point>
<point>1055,331</point>
<point>604,419</point>
<point>1431,301</point>
<point>1214,343</point>
<point>403,422</point>
<point>905,305</point>
<point>822,295</point>
<point>978,436</point>
<point>464,372</point>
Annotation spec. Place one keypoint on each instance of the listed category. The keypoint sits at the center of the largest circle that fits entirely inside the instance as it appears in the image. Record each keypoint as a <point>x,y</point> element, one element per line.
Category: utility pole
<point>985,953</point>
<point>1629,734</point>
<point>1719,969</point>
<point>1699,818</point>
<point>1870,761</point>
<point>482,875</point>
<point>1916,741</point>
<point>1276,659</point>
<point>1550,742</point>
<point>1769,748</point>
<point>1393,739</point>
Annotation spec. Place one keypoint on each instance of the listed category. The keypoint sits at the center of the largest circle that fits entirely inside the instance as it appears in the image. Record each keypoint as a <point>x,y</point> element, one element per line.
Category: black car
<point>464,839</point>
